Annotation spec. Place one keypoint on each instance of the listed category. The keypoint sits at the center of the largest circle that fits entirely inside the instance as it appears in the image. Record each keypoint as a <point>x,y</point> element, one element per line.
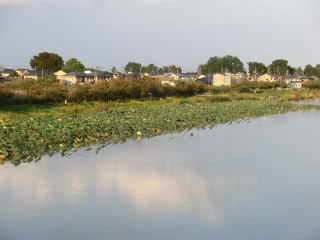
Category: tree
<point>309,70</point>
<point>299,71</point>
<point>74,64</point>
<point>13,74</point>
<point>279,66</point>
<point>133,67</point>
<point>257,68</point>
<point>172,69</point>
<point>291,70</point>
<point>220,65</point>
<point>114,70</point>
<point>150,68</point>
<point>47,61</point>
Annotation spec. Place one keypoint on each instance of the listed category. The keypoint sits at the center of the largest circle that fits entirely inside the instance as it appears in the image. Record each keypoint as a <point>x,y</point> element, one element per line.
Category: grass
<point>25,139</point>
<point>18,111</point>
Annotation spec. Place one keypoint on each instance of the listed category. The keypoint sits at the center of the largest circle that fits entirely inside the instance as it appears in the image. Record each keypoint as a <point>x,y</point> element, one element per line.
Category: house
<point>74,77</point>
<point>294,82</point>
<point>266,78</point>
<point>6,72</point>
<point>35,74</point>
<point>223,79</point>
<point>21,71</point>
<point>102,76</point>
<point>295,85</point>
<point>84,78</point>
<point>60,74</point>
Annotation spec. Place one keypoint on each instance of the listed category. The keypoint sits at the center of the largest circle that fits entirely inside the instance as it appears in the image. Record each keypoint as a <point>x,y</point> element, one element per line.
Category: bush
<point>312,84</point>
<point>5,95</point>
<point>78,93</point>
<point>250,86</point>
<point>222,89</point>
<point>47,90</point>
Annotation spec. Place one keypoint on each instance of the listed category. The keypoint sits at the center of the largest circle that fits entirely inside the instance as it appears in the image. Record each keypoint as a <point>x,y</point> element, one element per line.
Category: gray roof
<point>77,74</point>
<point>8,70</point>
<point>94,74</point>
<point>37,73</point>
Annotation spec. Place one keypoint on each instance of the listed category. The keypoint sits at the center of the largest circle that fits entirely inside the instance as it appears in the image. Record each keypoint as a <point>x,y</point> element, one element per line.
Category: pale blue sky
<point>182,32</point>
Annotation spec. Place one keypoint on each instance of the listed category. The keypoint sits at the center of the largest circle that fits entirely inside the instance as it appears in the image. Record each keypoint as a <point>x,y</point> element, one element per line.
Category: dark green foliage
<point>279,66</point>
<point>228,63</point>
<point>150,68</point>
<point>14,74</point>
<point>133,67</point>
<point>47,61</point>
<point>257,68</point>
<point>312,71</point>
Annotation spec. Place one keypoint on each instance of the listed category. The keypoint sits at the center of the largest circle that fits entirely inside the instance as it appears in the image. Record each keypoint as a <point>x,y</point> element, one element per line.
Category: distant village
<point>92,76</point>
<point>217,72</point>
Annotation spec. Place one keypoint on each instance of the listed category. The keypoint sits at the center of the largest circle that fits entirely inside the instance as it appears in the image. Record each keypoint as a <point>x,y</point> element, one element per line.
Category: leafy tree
<point>172,69</point>
<point>225,64</point>
<point>257,68</point>
<point>150,68</point>
<point>309,70</point>
<point>47,61</point>
<point>291,70</point>
<point>14,74</point>
<point>74,64</point>
<point>299,71</point>
<point>133,67</point>
<point>114,70</point>
<point>279,66</point>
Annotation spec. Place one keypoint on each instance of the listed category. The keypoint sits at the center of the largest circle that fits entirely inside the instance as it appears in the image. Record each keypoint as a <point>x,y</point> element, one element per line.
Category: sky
<point>108,33</point>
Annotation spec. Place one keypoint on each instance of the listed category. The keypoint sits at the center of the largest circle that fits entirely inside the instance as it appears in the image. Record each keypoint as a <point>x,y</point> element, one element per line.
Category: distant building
<point>266,78</point>
<point>84,78</point>
<point>295,85</point>
<point>294,82</point>
<point>35,74</point>
<point>224,79</point>
<point>61,73</point>
<point>22,71</point>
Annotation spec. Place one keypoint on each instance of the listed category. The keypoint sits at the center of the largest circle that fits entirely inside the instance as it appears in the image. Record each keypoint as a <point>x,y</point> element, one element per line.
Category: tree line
<point>53,62</point>
<point>233,64</point>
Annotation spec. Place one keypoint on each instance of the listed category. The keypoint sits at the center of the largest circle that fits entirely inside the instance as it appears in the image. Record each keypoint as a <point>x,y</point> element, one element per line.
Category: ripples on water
<point>249,180</point>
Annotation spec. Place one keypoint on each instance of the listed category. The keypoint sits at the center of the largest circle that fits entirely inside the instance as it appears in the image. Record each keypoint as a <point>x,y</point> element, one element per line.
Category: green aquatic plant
<point>24,140</point>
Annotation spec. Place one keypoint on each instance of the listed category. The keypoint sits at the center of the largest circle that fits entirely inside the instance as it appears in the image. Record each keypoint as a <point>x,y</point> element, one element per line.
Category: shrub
<point>5,95</point>
<point>78,93</point>
<point>312,84</point>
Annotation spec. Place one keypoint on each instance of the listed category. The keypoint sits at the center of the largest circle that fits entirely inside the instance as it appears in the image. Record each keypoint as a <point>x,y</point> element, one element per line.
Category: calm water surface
<point>257,180</point>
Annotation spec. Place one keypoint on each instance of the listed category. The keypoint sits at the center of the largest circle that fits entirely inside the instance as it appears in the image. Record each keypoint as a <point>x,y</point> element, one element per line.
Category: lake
<point>252,180</point>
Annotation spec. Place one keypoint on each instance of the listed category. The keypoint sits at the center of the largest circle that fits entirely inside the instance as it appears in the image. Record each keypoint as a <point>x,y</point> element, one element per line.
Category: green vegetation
<point>49,91</point>
<point>47,61</point>
<point>73,64</point>
<point>257,68</point>
<point>225,64</point>
<point>28,139</point>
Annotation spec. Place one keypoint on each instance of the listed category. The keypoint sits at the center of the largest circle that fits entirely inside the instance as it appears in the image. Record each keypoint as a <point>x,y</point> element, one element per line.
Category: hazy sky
<point>183,32</point>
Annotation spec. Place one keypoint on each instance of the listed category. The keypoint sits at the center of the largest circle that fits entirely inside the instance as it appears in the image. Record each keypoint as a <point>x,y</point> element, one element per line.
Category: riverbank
<point>26,139</point>
<point>215,95</point>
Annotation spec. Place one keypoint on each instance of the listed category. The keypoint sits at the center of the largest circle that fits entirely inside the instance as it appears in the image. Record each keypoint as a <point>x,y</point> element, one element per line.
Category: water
<point>255,180</point>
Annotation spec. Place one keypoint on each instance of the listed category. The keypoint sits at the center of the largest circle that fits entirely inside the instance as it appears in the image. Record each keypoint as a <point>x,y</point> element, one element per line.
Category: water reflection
<point>238,181</point>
